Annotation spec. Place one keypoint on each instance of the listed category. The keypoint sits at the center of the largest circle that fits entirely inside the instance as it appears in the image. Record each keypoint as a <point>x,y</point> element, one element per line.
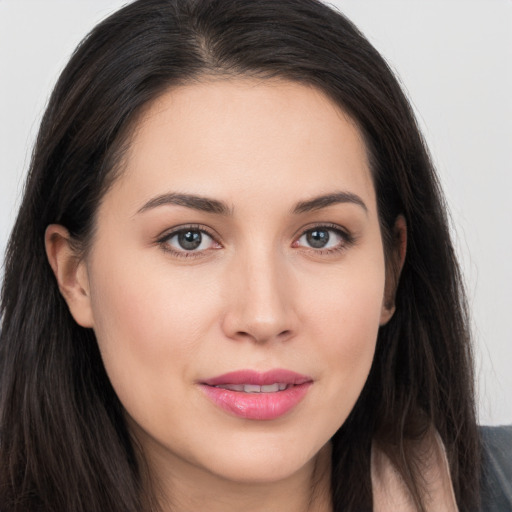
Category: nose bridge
<point>261,305</point>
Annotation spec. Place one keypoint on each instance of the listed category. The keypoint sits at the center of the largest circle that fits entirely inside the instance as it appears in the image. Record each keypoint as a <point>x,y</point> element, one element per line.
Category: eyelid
<point>348,237</point>
<point>162,240</point>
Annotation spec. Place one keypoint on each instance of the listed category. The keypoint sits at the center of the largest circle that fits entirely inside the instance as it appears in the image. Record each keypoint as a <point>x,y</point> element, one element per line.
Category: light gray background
<point>454,57</point>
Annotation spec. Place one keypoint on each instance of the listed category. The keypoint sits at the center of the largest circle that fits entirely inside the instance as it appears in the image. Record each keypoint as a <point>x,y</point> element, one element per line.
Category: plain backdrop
<point>454,59</point>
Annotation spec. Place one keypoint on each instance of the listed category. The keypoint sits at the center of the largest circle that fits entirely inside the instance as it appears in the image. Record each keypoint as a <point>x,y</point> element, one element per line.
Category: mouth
<point>254,388</point>
<point>257,396</point>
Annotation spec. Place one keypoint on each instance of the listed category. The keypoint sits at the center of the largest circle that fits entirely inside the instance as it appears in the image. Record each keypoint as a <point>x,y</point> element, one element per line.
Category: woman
<point>231,285</point>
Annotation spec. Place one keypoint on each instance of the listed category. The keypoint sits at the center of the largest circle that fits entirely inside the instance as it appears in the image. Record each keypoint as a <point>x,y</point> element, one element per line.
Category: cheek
<point>347,304</point>
<point>345,318</point>
<point>149,325</point>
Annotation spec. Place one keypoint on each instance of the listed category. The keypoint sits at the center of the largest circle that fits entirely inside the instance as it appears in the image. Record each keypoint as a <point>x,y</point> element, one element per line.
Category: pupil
<point>318,238</point>
<point>190,240</point>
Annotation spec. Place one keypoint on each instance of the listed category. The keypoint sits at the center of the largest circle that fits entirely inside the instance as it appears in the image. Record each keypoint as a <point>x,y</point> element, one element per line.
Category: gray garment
<point>497,469</point>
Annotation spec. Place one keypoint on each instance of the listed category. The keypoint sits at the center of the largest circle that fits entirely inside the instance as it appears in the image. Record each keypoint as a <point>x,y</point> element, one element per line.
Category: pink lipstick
<point>257,396</point>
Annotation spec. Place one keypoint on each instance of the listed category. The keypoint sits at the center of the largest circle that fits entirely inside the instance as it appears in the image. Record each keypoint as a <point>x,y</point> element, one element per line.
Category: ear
<point>394,268</point>
<point>70,272</point>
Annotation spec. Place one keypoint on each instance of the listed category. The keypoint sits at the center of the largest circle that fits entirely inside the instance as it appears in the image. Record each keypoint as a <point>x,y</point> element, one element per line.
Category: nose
<point>260,303</point>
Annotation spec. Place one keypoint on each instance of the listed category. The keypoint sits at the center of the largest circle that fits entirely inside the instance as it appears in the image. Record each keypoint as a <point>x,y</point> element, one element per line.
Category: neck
<point>181,488</point>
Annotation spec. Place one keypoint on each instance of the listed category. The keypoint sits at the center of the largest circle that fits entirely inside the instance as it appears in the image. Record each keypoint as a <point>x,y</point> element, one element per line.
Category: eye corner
<point>188,241</point>
<point>329,239</point>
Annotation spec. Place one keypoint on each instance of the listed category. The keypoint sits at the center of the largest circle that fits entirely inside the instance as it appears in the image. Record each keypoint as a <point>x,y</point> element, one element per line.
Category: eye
<point>188,240</point>
<point>324,238</point>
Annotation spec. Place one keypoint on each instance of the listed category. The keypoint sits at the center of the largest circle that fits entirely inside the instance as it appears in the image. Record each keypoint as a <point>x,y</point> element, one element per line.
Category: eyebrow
<point>203,204</point>
<point>210,205</point>
<point>317,203</point>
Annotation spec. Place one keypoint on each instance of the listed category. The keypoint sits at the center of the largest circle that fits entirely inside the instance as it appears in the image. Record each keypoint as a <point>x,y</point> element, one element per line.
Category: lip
<point>257,406</point>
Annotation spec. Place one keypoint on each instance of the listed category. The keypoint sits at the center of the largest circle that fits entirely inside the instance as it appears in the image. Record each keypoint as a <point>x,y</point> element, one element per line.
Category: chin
<point>263,463</point>
<point>259,472</point>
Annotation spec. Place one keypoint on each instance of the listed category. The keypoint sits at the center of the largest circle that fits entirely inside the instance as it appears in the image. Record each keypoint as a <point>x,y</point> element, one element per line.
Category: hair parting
<point>64,441</point>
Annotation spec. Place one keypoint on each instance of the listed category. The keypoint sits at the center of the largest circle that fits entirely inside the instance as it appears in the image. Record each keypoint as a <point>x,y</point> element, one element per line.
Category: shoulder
<point>496,468</point>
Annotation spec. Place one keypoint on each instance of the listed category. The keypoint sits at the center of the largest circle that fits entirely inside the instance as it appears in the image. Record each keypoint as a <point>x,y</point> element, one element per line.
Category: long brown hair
<point>64,445</point>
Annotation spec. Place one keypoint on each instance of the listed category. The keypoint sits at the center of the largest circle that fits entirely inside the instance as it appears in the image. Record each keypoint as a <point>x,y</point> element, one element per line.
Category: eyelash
<point>164,241</point>
<point>347,240</point>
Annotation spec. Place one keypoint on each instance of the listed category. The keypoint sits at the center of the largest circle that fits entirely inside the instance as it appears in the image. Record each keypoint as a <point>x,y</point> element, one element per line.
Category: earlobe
<point>394,269</point>
<point>387,313</point>
<point>70,272</point>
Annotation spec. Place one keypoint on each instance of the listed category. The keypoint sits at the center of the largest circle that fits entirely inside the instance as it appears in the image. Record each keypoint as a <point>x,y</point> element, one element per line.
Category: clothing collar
<point>390,494</point>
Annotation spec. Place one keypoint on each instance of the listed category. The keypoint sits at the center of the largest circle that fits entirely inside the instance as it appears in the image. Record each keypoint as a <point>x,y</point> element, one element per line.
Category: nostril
<point>264,337</point>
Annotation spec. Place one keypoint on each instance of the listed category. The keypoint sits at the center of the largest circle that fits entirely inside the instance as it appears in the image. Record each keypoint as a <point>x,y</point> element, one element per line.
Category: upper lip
<point>258,378</point>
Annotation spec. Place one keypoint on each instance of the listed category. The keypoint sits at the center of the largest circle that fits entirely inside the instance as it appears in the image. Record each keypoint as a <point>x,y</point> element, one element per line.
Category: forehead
<point>219,138</point>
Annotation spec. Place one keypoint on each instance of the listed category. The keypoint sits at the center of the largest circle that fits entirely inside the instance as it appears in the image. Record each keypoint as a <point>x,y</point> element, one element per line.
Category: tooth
<point>252,388</point>
<point>232,387</point>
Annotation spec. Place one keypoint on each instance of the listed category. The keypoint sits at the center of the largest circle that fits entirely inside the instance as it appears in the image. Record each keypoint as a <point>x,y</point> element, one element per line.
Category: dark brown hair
<point>64,445</point>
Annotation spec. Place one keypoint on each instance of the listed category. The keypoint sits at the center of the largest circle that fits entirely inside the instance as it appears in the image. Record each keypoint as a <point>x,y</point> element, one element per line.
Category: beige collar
<point>390,493</point>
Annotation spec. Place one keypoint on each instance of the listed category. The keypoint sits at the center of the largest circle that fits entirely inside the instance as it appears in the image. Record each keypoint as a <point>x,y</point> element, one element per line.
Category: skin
<point>256,295</point>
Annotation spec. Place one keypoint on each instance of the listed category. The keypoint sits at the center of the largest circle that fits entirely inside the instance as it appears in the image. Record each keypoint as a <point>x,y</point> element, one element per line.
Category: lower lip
<point>257,406</point>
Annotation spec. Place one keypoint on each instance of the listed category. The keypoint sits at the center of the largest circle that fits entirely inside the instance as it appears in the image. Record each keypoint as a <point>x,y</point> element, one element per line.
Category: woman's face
<point>239,251</point>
